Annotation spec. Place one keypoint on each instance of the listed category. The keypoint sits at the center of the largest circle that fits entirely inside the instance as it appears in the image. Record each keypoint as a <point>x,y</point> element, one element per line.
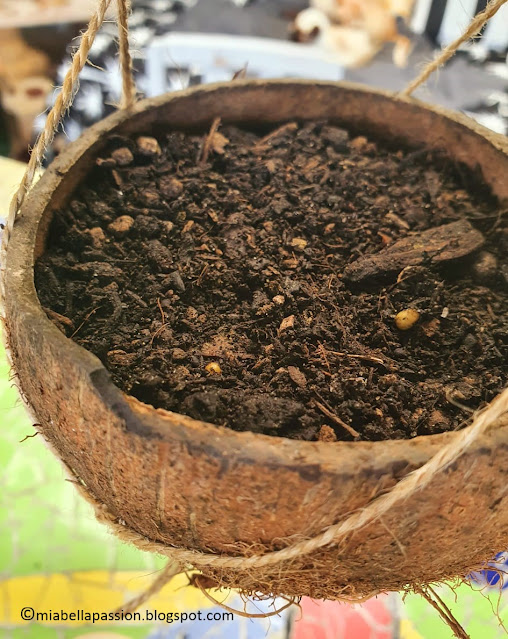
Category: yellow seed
<point>299,243</point>
<point>213,369</point>
<point>406,319</point>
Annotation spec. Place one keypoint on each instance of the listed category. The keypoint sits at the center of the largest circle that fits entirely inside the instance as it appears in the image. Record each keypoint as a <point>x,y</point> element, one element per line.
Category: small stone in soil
<point>148,146</point>
<point>170,187</point>
<point>326,434</point>
<point>98,237</point>
<point>122,156</point>
<point>485,267</point>
<point>121,226</point>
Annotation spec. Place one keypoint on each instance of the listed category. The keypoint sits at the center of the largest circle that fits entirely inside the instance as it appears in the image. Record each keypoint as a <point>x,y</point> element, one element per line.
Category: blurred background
<point>53,554</point>
<point>177,43</point>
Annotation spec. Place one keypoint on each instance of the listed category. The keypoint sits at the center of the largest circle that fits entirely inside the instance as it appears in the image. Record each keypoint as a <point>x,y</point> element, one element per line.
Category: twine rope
<point>406,487</point>
<point>472,30</point>
<point>66,96</point>
<point>128,85</point>
<point>169,571</point>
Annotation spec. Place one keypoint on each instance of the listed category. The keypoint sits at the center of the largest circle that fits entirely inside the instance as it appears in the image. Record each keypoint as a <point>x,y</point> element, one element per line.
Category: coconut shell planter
<point>236,333</point>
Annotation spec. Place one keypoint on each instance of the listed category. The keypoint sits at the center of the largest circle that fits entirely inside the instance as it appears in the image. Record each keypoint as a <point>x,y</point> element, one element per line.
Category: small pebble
<point>279,299</point>
<point>299,243</point>
<point>123,156</point>
<point>98,236</point>
<point>445,312</point>
<point>149,198</point>
<point>406,319</point>
<point>121,226</point>
<point>170,187</point>
<point>119,357</point>
<point>327,434</point>
<point>469,342</point>
<point>213,369</point>
<point>359,143</point>
<point>177,282</point>
<point>485,267</point>
<point>148,146</point>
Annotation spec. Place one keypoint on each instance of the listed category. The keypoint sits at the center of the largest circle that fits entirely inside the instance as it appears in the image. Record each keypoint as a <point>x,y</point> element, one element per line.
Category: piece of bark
<point>297,376</point>
<point>440,244</point>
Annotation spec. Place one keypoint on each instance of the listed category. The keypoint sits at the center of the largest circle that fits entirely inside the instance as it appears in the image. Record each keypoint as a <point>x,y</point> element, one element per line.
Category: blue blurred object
<point>497,577</point>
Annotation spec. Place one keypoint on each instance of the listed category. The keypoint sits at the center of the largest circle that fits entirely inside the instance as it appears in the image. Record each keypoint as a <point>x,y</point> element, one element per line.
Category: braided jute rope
<point>56,114</point>
<point>417,480</point>
<point>129,88</point>
<point>472,30</point>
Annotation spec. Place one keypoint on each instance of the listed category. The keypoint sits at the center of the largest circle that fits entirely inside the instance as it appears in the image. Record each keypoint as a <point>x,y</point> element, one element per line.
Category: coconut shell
<point>193,485</point>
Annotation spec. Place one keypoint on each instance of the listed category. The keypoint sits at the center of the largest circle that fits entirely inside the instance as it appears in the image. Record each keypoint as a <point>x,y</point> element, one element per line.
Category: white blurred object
<point>445,20</point>
<point>352,47</point>
<point>352,31</point>
<point>338,10</point>
<point>175,57</point>
<point>32,13</point>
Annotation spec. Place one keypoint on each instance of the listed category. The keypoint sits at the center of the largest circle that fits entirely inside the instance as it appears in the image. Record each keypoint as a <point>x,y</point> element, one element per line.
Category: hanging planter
<point>266,514</point>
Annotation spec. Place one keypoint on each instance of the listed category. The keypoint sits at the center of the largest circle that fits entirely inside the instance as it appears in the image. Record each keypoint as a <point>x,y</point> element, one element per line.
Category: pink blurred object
<point>332,620</point>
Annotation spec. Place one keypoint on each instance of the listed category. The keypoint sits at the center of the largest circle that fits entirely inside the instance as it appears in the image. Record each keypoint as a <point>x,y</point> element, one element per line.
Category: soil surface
<point>299,282</point>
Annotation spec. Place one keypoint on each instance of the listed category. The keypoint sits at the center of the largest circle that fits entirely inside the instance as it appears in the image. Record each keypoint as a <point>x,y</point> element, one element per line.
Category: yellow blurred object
<point>91,591</point>
<point>19,60</point>
<point>25,83</point>
<point>406,319</point>
<point>11,172</point>
<point>355,30</point>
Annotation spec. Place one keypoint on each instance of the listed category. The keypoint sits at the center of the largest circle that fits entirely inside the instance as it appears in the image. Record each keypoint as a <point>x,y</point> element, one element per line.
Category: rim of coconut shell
<point>250,102</point>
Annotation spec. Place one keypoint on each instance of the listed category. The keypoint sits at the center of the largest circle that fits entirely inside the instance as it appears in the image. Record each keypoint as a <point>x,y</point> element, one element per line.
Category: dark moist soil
<point>253,280</point>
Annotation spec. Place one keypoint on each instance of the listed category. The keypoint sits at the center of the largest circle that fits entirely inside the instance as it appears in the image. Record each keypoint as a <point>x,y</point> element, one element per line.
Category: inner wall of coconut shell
<point>185,483</point>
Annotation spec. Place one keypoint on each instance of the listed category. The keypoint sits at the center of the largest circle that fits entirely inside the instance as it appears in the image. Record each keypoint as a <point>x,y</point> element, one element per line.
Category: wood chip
<point>297,376</point>
<point>335,418</point>
<point>440,244</point>
<point>398,221</point>
<point>299,243</point>
<point>271,137</point>
<point>58,318</point>
<point>219,143</point>
<point>209,142</point>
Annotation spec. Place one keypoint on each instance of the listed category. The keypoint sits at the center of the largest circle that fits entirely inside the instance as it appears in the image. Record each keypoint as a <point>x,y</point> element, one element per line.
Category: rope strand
<point>128,86</point>
<point>55,116</point>
<point>406,487</point>
<point>472,30</point>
